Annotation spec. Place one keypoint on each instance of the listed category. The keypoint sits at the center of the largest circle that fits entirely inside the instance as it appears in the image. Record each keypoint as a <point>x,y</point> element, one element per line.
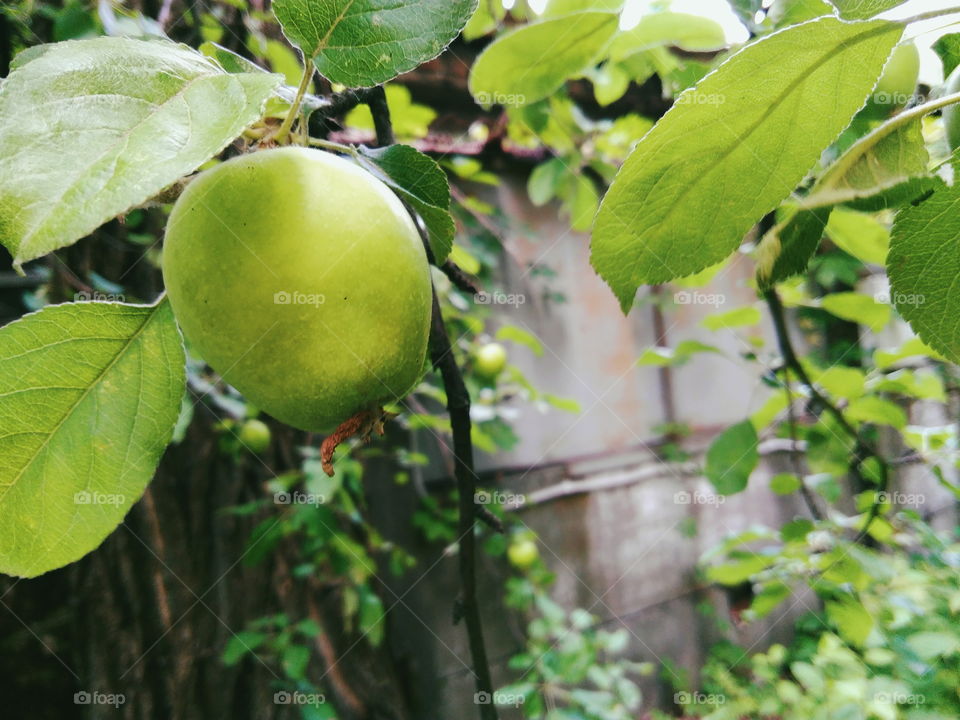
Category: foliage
<point>885,646</point>
<point>571,666</point>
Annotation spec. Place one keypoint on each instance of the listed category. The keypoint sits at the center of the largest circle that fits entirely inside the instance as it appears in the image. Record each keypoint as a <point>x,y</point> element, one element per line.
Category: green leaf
<point>672,209</point>
<point>860,235</point>
<point>245,641</point>
<point>851,619</point>
<point>791,12</point>
<point>610,83</point>
<point>91,128</point>
<point>948,48</point>
<point>891,155</point>
<point>666,356</point>
<point>738,317</point>
<point>485,20</point>
<point>857,308</point>
<point>372,617</point>
<point>361,43</point>
<point>544,181</point>
<point>89,396</point>
<point>877,410</point>
<point>923,265</point>
<point>521,337</point>
<point>864,9</point>
<point>786,249</point>
<point>410,120</point>
<point>694,33</point>
<point>785,483</point>
<point>841,381</point>
<point>731,458</point>
<point>930,645</point>
<point>422,183</point>
<point>533,61</point>
<point>294,660</point>
<point>740,571</point>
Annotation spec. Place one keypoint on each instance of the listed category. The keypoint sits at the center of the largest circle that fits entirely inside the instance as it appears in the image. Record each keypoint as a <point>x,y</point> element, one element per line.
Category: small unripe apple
<point>301,279</point>
<point>951,116</point>
<point>899,79</point>
<point>490,360</point>
<point>523,553</point>
<point>255,436</point>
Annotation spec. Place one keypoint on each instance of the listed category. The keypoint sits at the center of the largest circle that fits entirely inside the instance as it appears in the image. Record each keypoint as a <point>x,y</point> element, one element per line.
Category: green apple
<point>522,553</point>
<point>490,360</point>
<point>899,79</point>
<point>255,436</point>
<point>951,116</point>
<point>301,279</point>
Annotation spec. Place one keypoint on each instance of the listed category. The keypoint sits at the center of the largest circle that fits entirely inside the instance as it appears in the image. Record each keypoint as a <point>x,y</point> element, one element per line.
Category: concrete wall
<point>606,507</point>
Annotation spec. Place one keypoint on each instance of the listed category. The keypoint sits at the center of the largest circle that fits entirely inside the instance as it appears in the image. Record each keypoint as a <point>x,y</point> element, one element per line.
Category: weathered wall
<point>611,524</point>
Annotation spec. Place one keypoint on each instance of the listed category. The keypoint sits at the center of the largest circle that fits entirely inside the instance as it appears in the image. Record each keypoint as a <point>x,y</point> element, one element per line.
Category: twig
<point>792,419</point>
<point>862,449</point>
<point>459,278</point>
<point>458,407</point>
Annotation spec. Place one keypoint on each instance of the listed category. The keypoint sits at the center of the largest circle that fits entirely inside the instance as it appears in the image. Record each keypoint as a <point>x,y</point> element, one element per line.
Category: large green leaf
<point>948,48</point>
<point>888,157</point>
<point>689,32</point>
<point>91,128</point>
<point>924,264</point>
<point>361,43</point>
<point>732,148</point>
<point>89,396</point>
<point>731,458</point>
<point>421,182</point>
<point>533,61</point>
<point>863,9</point>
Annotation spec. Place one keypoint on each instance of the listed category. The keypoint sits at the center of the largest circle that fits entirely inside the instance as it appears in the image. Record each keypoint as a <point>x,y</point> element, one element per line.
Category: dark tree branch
<point>459,278</point>
<point>862,450</point>
<point>458,407</point>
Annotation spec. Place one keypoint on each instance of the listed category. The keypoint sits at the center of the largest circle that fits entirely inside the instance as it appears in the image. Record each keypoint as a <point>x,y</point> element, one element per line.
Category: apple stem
<point>364,424</point>
<point>305,81</point>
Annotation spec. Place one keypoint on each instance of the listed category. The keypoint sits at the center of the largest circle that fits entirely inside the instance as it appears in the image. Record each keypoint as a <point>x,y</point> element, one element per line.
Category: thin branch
<point>862,449</point>
<point>929,15</point>
<point>798,470</point>
<point>458,407</point>
<point>459,278</point>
